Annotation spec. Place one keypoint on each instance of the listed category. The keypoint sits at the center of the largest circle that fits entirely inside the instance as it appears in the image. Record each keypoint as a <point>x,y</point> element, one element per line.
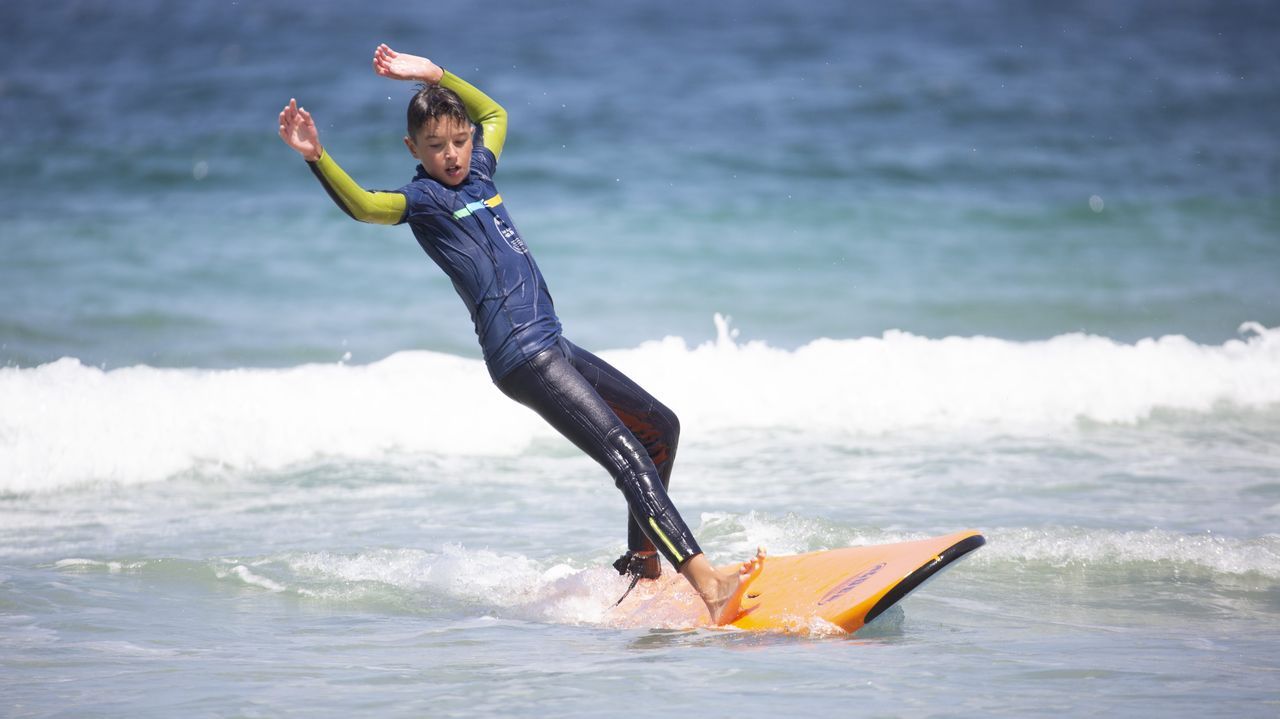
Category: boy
<point>458,217</point>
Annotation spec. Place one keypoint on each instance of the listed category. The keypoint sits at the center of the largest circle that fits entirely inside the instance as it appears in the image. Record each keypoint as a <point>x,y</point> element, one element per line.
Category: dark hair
<point>433,103</point>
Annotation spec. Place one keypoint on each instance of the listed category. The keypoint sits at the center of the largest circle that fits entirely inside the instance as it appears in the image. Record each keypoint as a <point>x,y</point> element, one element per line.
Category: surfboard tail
<point>924,573</point>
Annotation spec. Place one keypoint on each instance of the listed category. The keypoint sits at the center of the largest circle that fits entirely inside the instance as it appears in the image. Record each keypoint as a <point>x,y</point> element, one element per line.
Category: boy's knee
<point>634,468</point>
<point>671,427</point>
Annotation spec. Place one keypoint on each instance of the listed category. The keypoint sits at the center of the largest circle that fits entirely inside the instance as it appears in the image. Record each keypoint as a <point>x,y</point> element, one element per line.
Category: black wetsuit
<point>622,427</point>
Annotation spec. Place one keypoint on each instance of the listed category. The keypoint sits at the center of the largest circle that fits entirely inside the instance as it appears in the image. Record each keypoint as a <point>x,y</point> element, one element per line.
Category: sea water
<point>902,269</point>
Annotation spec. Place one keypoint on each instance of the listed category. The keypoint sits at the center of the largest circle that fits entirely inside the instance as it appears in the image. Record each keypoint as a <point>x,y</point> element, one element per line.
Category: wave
<point>466,582</point>
<point>65,423</point>
<point>1213,555</point>
<point>1048,548</point>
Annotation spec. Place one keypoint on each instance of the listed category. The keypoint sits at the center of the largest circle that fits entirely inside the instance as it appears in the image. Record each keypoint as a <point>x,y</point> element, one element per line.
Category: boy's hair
<point>433,103</point>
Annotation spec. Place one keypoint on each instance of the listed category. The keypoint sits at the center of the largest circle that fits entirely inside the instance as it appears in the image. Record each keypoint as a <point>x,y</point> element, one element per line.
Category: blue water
<point>901,270</point>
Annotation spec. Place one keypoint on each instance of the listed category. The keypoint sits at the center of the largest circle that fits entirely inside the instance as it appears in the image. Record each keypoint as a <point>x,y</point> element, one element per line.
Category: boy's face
<point>444,149</point>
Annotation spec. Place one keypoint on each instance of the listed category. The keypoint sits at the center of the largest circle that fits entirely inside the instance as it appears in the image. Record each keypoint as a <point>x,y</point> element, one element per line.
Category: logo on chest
<point>510,235</point>
<point>507,232</point>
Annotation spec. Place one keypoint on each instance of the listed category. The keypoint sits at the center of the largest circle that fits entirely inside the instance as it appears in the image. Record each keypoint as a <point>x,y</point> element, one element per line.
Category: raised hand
<point>402,66</point>
<point>298,131</point>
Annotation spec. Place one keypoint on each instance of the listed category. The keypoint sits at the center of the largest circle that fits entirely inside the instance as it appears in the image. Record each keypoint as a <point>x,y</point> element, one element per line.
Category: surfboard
<point>841,588</point>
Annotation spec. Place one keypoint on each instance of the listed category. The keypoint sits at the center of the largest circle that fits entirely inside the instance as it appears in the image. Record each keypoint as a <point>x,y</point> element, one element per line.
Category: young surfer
<point>457,133</point>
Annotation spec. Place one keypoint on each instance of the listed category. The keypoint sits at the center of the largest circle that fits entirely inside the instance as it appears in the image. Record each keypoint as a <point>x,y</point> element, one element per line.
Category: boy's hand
<point>402,66</point>
<point>298,131</point>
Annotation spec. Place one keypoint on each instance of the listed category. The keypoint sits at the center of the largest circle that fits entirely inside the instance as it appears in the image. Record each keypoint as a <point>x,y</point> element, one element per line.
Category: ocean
<point>901,269</point>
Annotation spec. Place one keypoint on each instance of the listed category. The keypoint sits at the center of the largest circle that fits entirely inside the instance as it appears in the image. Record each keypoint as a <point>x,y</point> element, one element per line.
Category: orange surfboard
<point>844,588</point>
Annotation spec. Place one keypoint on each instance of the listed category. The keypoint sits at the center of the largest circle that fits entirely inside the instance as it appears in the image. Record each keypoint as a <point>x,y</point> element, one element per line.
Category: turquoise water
<point>901,271</point>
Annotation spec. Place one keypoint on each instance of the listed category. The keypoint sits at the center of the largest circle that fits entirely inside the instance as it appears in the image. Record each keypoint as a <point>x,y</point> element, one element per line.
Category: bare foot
<point>723,588</point>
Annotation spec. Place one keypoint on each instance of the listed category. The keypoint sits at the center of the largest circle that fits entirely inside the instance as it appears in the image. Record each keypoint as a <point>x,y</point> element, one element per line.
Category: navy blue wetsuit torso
<point>467,231</point>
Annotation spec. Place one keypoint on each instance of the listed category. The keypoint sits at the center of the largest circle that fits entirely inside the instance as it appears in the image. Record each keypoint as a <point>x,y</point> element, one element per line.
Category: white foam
<point>81,564</point>
<point>64,423</point>
<point>244,574</point>
<point>515,585</point>
<point>475,575</point>
<point>1059,547</point>
<point>1079,547</point>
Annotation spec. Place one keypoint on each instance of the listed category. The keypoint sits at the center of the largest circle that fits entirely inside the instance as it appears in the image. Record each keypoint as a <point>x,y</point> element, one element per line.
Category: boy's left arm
<point>481,108</point>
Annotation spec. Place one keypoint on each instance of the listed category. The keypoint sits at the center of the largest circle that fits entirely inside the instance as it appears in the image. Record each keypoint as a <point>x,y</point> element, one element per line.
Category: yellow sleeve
<point>379,208</point>
<point>483,111</point>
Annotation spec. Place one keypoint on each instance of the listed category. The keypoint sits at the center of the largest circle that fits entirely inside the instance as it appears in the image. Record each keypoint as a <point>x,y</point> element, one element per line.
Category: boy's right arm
<point>380,208</point>
<point>298,131</point>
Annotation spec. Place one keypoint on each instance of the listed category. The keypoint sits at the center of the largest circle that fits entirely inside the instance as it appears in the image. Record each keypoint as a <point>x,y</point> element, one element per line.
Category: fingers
<point>286,118</point>
<point>296,115</point>
<point>289,111</point>
<point>382,57</point>
<point>289,115</point>
<point>293,118</point>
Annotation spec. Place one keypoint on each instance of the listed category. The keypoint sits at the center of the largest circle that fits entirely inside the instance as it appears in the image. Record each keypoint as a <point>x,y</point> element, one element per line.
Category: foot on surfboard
<point>734,581</point>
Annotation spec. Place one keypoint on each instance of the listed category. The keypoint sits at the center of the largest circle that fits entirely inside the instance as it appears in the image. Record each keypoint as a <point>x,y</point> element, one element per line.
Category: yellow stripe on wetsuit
<point>473,207</point>
<point>663,537</point>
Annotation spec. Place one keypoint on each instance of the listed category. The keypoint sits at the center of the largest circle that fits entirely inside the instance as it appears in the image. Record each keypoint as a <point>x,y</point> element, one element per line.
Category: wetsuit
<point>466,230</point>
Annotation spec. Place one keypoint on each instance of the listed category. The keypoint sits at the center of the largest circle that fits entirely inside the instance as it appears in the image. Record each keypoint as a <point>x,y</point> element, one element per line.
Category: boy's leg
<point>657,428</point>
<point>550,385</point>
